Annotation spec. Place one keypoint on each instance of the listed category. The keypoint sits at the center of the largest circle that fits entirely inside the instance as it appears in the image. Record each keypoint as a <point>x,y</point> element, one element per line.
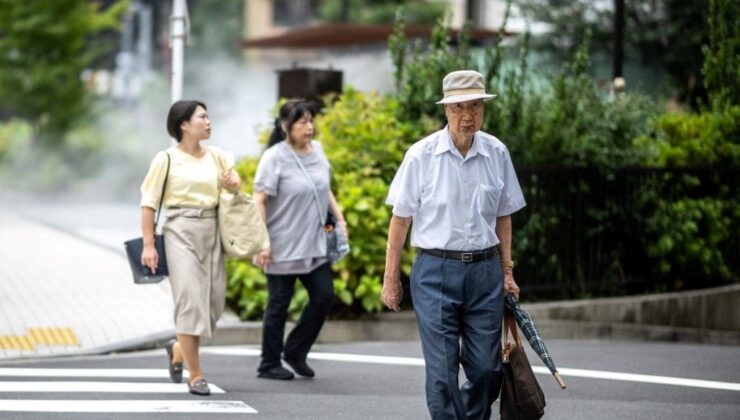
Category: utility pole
<point>179,27</point>
<point>618,57</point>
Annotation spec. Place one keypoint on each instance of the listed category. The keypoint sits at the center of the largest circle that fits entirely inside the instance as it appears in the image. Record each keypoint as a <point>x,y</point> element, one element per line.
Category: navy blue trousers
<point>459,303</point>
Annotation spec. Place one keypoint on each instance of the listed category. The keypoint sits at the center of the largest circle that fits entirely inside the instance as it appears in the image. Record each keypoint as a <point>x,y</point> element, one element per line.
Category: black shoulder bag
<point>135,247</point>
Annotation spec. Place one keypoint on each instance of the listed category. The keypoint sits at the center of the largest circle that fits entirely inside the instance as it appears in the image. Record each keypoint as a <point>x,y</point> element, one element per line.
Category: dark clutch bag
<point>142,274</point>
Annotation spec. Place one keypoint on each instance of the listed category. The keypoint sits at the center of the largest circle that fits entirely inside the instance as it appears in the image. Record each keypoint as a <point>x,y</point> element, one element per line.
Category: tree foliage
<point>218,28</point>
<point>722,54</point>
<point>44,47</point>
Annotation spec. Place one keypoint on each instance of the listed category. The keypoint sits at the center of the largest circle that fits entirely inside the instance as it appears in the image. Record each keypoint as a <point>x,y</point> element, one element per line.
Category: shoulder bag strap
<point>313,187</point>
<point>219,169</point>
<point>161,196</point>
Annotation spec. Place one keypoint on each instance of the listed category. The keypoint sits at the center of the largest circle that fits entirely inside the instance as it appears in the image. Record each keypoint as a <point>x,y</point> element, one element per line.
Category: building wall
<point>261,16</point>
<point>258,18</point>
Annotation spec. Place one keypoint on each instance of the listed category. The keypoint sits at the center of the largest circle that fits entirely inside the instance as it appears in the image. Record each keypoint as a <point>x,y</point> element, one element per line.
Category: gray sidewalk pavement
<point>63,295</point>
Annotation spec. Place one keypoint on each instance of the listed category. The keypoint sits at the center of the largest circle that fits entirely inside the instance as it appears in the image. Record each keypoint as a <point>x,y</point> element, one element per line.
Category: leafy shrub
<point>711,138</point>
<point>689,237</point>
<point>365,142</point>
<point>580,127</point>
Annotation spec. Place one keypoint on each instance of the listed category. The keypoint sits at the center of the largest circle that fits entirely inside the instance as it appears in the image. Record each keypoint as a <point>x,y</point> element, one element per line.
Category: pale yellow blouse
<point>193,182</point>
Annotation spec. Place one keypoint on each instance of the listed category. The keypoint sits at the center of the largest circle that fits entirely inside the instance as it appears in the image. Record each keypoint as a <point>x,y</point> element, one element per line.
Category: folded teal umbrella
<point>529,329</point>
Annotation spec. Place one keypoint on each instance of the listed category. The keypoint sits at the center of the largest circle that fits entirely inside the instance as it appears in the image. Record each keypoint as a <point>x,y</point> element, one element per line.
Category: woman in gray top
<point>288,206</point>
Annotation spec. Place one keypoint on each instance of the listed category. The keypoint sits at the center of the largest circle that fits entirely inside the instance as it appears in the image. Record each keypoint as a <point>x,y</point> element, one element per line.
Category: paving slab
<point>64,295</point>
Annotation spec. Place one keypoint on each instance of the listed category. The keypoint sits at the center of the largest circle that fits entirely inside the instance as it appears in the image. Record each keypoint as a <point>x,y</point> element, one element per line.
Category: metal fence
<point>587,231</point>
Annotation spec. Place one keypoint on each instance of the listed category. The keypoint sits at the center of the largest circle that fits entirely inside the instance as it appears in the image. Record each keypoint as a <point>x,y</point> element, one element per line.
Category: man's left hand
<point>510,285</point>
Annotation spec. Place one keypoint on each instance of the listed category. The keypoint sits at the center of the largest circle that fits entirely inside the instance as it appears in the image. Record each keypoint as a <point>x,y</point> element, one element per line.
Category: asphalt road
<point>377,389</point>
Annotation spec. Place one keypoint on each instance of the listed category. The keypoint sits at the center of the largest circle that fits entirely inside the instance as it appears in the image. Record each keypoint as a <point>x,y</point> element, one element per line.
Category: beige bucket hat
<point>464,85</point>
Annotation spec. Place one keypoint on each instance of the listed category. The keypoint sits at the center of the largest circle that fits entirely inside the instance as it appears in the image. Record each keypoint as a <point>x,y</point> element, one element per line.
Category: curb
<point>402,327</point>
<point>381,327</point>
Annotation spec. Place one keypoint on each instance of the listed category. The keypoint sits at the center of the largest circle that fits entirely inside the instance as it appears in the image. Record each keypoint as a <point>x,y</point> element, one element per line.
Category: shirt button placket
<point>468,203</point>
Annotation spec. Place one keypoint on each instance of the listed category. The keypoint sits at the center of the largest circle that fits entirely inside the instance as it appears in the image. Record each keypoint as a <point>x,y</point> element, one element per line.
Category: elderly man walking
<point>459,187</point>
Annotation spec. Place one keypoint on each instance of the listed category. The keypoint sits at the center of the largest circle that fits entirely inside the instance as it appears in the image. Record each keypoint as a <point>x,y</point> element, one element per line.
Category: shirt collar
<point>444,144</point>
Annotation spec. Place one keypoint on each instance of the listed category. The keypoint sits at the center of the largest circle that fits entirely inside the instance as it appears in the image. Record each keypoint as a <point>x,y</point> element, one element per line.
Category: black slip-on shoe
<point>277,372</point>
<point>174,368</point>
<point>199,387</point>
<point>300,367</point>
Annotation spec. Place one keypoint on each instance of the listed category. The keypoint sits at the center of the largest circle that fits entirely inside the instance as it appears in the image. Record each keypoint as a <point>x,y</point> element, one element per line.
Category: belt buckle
<point>466,256</point>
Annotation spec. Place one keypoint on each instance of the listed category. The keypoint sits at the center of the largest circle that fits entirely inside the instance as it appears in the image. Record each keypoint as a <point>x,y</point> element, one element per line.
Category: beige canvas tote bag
<point>243,234</point>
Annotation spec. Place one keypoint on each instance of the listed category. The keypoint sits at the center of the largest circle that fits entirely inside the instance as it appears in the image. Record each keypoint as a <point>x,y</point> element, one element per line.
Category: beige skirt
<point>197,273</point>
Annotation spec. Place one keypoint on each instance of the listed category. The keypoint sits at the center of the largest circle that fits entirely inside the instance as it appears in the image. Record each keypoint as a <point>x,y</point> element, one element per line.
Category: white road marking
<point>338,357</point>
<point>650,379</point>
<point>127,387</point>
<point>123,406</point>
<point>88,373</point>
<point>233,351</point>
<point>565,372</point>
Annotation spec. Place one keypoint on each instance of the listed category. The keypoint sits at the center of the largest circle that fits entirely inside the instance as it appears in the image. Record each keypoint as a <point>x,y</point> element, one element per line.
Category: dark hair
<point>289,114</point>
<point>181,111</point>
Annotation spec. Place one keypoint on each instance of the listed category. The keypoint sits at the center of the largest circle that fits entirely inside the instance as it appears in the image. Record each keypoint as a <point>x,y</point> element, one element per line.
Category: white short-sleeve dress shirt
<point>454,201</point>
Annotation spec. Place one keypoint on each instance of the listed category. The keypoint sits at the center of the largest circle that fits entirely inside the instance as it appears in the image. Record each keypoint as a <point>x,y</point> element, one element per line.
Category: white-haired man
<point>459,187</point>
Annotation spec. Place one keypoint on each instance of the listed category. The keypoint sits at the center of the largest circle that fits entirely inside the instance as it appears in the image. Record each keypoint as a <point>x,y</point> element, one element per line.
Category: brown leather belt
<point>464,256</point>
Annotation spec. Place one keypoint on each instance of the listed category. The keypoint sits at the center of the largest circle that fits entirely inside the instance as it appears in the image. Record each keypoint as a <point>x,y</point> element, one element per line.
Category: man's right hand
<point>392,292</point>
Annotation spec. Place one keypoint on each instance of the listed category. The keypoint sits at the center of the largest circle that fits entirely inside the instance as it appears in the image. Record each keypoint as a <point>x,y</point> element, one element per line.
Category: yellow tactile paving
<point>69,336</point>
<point>39,336</point>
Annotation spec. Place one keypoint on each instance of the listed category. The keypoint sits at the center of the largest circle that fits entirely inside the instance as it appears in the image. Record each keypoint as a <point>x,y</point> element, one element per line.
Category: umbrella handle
<point>559,380</point>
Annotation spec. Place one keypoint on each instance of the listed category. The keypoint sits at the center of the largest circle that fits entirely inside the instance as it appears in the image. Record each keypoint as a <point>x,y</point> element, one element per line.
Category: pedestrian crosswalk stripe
<point>75,386</point>
<point>338,357</point>
<point>87,373</point>
<point>126,406</point>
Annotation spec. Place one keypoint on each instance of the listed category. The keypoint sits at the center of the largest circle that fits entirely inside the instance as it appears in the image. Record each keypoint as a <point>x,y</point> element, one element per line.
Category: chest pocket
<point>487,199</point>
